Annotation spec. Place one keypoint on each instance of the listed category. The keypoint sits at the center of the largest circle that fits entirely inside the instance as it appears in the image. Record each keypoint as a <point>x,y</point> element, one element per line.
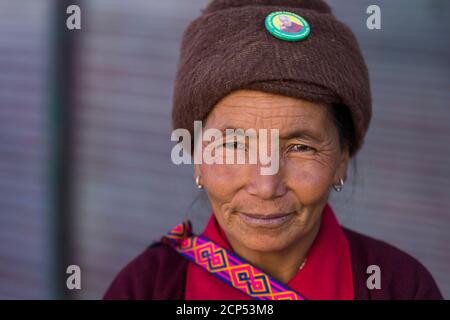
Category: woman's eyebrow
<point>302,134</point>
<point>305,134</point>
<point>238,131</point>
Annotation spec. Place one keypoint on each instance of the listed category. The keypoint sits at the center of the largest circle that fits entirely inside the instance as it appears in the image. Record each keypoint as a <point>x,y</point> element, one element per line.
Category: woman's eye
<point>301,148</point>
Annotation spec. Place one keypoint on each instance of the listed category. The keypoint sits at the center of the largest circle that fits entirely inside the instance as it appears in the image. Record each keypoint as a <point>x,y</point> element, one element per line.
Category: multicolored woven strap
<point>227,266</point>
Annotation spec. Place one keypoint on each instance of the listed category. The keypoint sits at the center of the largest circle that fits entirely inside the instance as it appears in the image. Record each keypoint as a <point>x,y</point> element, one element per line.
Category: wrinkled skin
<point>311,161</point>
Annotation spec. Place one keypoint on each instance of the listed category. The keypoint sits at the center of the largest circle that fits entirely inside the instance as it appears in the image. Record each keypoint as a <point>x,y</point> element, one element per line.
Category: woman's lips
<point>272,220</point>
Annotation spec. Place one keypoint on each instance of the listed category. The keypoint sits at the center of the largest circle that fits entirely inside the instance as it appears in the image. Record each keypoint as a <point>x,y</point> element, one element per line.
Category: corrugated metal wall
<point>402,192</point>
<point>24,51</point>
<point>127,191</point>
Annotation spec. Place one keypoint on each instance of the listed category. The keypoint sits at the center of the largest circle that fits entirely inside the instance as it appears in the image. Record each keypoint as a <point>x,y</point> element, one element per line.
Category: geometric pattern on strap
<point>227,266</point>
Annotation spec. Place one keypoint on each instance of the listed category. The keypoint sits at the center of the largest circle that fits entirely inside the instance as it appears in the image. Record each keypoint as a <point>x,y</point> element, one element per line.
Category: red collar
<point>327,274</point>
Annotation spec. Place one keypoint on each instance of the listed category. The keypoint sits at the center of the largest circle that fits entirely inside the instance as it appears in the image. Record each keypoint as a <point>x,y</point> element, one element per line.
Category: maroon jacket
<point>160,273</point>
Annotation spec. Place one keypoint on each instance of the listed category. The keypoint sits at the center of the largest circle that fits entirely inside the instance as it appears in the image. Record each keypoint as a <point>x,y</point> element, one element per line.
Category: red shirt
<point>161,273</point>
<point>327,274</point>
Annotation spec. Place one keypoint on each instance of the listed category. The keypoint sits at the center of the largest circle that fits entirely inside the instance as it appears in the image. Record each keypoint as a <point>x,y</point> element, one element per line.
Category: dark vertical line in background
<point>61,130</point>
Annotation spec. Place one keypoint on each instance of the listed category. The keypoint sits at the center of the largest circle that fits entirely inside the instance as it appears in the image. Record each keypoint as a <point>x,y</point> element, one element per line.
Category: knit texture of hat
<point>228,48</point>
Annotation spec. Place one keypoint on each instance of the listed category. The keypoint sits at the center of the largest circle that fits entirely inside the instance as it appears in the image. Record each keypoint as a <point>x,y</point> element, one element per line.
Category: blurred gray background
<point>120,190</point>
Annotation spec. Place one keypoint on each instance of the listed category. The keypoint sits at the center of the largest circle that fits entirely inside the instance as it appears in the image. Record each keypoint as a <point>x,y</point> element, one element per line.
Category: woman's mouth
<point>270,220</point>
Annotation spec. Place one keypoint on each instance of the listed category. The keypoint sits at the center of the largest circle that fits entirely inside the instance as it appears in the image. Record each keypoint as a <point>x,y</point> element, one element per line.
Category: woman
<point>273,236</point>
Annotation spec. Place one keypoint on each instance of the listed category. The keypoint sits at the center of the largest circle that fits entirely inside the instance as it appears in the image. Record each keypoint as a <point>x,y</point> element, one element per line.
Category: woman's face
<point>269,213</point>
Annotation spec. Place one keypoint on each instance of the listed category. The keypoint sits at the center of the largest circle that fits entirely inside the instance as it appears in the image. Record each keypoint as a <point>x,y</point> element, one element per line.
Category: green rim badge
<point>287,26</point>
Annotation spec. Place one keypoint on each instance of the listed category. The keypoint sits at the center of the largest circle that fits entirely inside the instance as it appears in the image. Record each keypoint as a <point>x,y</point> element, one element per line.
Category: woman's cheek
<point>221,180</point>
<point>309,181</point>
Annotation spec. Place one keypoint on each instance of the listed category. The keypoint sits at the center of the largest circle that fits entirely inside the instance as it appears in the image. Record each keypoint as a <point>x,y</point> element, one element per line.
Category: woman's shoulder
<point>158,273</point>
<point>401,275</point>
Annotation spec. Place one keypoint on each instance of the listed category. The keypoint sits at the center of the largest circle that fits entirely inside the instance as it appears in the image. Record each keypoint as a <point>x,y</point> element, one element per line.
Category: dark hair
<point>342,118</point>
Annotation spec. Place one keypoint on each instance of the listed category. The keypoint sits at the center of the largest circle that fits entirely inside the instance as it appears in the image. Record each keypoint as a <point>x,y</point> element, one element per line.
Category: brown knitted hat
<point>229,48</point>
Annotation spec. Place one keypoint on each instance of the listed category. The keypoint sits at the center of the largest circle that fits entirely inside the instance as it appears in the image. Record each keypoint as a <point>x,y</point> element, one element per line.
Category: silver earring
<point>338,187</point>
<point>197,182</point>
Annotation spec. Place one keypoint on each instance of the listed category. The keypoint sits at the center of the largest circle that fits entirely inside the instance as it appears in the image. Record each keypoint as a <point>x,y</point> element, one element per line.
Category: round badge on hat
<point>287,26</point>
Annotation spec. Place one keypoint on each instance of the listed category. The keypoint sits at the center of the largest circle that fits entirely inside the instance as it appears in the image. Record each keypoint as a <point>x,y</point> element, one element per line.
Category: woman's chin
<point>262,242</point>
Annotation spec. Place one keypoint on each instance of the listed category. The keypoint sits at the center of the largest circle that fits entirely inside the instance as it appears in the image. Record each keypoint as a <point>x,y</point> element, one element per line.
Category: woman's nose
<point>266,186</point>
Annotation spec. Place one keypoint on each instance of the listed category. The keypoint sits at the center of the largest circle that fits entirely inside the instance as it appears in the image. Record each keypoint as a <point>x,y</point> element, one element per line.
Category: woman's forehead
<point>258,109</point>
